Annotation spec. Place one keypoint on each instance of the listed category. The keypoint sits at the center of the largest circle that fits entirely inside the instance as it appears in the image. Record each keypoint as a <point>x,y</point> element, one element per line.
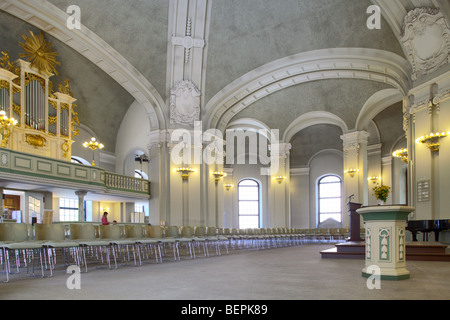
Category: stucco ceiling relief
<point>188,25</point>
<point>426,38</point>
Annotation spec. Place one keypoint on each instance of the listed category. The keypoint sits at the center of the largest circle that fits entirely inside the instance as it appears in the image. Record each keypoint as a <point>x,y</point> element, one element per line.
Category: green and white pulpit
<point>385,241</point>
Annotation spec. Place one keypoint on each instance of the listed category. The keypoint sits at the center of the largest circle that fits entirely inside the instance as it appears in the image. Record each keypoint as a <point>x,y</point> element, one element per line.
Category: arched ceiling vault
<point>273,62</point>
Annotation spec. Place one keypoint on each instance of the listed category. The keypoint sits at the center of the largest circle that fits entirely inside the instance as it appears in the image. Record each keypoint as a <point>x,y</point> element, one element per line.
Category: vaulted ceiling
<point>243,36</point>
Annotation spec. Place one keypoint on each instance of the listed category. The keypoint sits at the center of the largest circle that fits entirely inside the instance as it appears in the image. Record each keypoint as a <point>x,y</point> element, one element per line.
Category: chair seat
<point>122,242</point>
<point>91,243</point>
<point>148,241</point>
<point>61,244</point>
<point>167,240</point>
<point>22,245</point>
<point>185,239</point>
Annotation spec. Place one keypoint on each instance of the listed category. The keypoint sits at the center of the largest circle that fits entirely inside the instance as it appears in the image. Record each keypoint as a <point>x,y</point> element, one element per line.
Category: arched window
<point>330,198</point>
<point>80,160</point>
<point>249,204</point>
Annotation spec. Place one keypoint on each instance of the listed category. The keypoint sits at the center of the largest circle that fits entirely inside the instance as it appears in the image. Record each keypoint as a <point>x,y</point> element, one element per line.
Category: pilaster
<point>355,158</point>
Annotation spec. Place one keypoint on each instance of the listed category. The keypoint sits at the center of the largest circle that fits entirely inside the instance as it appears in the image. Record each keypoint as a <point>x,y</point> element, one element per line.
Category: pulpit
<point>354,222</point>
<point>385,244</point>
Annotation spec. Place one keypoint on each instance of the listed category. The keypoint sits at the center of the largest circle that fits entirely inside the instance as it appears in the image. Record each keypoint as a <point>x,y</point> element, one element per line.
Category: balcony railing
<point>126,183</point>
<point>33,169</point>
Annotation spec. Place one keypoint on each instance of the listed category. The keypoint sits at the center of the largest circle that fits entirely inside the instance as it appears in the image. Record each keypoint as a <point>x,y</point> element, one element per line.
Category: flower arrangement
<point>381,192</point>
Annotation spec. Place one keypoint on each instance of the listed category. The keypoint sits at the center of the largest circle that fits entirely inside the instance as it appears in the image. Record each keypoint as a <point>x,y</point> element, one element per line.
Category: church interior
<point>301,135</point>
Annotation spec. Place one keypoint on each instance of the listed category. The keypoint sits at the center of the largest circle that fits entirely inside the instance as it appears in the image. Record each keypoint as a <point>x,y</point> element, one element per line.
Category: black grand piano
<point>427,226</point>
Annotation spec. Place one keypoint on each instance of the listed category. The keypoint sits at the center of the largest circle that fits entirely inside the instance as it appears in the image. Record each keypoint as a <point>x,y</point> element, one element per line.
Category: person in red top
<point>105,219</point>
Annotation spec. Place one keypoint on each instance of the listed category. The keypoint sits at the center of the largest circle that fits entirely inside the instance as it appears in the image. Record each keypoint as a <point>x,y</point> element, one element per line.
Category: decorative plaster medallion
<point>184,103</point>
<point>4,159</point>
<point>426,38</point>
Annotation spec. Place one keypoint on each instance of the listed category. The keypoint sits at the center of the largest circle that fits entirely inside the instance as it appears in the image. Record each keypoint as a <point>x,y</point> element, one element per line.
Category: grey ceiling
<point>309,141</point>
<point>243,35</point>
<point>342,97</point>
<point>101,102</point>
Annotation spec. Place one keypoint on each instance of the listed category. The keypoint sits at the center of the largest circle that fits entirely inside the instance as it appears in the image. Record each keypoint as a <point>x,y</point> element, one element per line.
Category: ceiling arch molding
<point>310,119</point>
<point>375,104</point>
<point>52,20</point>
<point>337,63</point>
<point>251,124</point>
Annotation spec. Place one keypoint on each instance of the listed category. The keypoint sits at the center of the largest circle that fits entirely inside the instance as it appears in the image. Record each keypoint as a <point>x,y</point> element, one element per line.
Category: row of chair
<point>84,244</point>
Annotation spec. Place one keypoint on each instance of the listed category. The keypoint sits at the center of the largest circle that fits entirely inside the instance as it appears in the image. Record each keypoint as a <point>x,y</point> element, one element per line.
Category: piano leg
<point>436,235</point>
<point>414,235</point>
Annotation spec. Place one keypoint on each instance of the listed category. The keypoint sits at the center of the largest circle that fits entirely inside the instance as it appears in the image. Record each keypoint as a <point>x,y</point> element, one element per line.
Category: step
<point>415,251</point>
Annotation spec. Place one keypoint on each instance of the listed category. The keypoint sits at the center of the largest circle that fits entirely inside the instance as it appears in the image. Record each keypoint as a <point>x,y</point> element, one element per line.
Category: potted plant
<point>381,193</point>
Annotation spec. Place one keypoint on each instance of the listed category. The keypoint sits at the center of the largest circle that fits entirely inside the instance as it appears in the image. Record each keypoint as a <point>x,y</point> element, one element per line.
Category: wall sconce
<point>351,172</point>
<point>228,186</point>
<point>432,140</point>
<point>5,124</point>
<point>185,172</point>
<point>218,175</point>
<point>402,154</point>
<point>104,209</point>
<point>374,179</point>
<point>279,179</point>
<point>93,145</point>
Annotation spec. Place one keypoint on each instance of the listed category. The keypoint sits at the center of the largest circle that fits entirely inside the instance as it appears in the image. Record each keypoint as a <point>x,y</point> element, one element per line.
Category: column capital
<point>355,137</point>
<point>81,193</point>
<point>352,140</point>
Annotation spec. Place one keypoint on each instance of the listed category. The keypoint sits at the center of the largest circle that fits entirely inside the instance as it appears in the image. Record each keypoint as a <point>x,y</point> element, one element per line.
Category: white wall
<point>300,216</point>
<point>132,136</point>
<point>322,164</point>
<point>231,211</point>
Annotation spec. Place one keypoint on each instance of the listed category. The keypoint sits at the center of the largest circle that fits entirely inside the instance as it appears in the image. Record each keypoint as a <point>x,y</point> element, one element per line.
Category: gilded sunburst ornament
<point>39,52</point>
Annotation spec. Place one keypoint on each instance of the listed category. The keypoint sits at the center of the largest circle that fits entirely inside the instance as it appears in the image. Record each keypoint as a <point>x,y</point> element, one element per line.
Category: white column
<point>355,157</point>
<point>375,170</point>
<point>81,194</point>
<point>386,177</point>
<point>159,177</point>
<point>229,197</point>
<point>279,192</point>
<point>428,111</point>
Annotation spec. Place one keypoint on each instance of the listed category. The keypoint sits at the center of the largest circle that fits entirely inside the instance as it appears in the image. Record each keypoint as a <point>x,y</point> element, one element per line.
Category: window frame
<point>258,186</point>
<point>72,210</point>
<point>319,198</point>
